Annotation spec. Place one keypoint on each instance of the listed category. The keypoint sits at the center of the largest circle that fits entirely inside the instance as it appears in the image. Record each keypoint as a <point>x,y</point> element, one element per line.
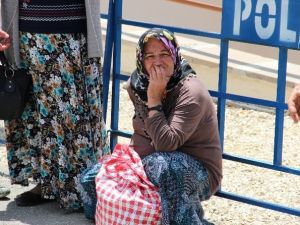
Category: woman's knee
<point>156,166</point>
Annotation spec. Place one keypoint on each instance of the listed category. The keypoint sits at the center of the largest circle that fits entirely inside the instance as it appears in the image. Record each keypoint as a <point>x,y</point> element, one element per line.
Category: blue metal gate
<point>260,22</point>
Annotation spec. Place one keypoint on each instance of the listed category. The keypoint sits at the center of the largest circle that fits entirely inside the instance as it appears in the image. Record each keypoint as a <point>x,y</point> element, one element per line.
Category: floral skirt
<point>62,130</point>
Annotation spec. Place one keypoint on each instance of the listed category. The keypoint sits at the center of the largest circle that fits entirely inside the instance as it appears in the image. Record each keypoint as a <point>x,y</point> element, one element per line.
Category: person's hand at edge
<point>294,104</point>
<point>5,41</point>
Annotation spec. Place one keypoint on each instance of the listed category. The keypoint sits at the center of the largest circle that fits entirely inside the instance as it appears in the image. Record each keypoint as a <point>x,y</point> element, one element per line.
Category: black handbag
<point>15,86</point>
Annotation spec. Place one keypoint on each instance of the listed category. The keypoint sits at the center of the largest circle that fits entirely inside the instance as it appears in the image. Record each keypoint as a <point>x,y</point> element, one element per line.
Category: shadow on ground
<point>45,214</point>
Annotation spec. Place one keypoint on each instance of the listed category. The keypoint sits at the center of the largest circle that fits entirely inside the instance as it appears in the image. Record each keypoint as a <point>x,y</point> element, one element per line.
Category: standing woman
<point>61,131</point>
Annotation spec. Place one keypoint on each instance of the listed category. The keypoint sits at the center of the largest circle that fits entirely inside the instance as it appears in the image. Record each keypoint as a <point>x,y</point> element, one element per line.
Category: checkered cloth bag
<point>125,196</point>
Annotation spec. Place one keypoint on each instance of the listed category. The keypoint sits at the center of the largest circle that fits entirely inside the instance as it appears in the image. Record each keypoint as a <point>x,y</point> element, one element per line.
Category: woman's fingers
<point>4,46</point>
<point>293,113</point>
<point>4,40</point>
<point>294,105</point>
<point>157,83</point>
<point>3,34</point>
<point>158,74</point>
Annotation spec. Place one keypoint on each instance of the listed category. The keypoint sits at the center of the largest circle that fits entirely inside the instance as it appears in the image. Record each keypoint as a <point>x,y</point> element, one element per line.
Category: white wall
<point>170,13</point>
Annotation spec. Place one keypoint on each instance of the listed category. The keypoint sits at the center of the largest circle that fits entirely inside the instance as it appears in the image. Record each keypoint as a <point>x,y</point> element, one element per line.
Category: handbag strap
<point>3,60</point>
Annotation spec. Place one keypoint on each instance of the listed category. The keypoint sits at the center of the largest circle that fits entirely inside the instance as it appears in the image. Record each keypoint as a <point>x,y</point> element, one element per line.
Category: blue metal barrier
<point>251,21</point>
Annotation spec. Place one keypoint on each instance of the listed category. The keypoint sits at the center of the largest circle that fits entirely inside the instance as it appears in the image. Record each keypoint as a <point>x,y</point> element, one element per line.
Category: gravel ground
<point>249,133</point>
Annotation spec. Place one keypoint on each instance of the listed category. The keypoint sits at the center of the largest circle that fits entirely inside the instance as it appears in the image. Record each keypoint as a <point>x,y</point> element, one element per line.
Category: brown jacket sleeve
<point>169,134</point>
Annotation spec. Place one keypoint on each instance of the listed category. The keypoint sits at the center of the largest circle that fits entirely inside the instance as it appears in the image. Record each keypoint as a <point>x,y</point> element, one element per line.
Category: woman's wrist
<point>153,102</point>
<point>154,107</point>
<point>157,108</point>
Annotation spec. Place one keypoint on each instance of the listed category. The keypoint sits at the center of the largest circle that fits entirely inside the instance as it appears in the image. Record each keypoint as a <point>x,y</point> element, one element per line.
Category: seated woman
<point>175,131</point>
<point>175,128</point>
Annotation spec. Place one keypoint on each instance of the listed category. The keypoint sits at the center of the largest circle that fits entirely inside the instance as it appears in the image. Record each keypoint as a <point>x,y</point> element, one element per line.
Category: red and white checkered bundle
<point>125,196</point>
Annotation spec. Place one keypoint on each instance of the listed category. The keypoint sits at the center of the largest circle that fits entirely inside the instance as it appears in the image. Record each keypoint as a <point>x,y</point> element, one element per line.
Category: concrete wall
<point>174,14</point>
<point>170,13</point>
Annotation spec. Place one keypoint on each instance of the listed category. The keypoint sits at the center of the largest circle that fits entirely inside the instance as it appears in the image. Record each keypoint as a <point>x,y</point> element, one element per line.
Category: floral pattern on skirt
<point>62,130</point>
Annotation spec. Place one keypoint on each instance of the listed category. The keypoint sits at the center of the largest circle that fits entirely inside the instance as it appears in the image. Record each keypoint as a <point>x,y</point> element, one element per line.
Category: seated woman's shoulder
<point>194,86</point>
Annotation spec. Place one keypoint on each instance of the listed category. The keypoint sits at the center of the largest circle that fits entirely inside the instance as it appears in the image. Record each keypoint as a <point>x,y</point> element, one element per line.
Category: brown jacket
<point>188,123</point>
